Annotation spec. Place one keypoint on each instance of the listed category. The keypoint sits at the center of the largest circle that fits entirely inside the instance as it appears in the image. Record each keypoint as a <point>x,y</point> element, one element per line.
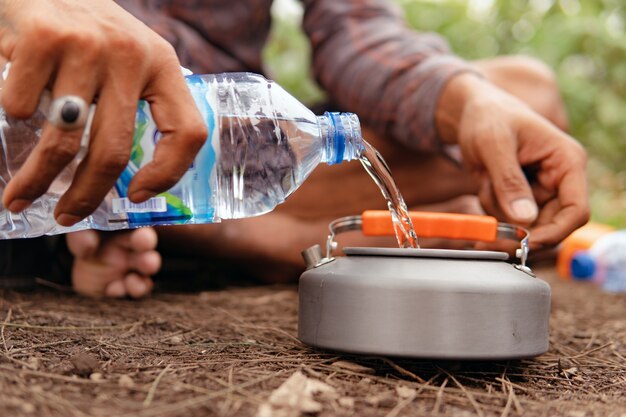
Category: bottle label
<point>191,200</point>
<point>153,205</point>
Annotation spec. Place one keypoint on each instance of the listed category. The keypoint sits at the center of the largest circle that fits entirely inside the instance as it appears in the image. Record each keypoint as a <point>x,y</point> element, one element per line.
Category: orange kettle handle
<point>444,225</point>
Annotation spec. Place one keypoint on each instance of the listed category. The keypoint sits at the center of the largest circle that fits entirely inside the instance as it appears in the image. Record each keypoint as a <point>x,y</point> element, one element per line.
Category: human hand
<point>498,135</point>
<point>95,50</point>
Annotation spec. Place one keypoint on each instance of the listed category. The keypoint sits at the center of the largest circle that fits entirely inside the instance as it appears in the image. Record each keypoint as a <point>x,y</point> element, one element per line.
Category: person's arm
<point>95,50</point>
<point>409,86</point>
<point>373,65</point>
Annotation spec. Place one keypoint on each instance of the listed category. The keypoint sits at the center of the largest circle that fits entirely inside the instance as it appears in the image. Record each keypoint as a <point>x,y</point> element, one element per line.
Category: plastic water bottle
<point>581,239</point>
<point>604,263</point>
<point>262,144</point>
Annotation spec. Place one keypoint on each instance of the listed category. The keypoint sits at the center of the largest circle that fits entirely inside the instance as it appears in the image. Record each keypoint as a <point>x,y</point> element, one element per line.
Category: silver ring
<point>68,113</point>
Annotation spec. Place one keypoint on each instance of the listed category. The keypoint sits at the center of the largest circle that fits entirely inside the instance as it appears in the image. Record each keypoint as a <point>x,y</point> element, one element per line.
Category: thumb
<point>510,187</point>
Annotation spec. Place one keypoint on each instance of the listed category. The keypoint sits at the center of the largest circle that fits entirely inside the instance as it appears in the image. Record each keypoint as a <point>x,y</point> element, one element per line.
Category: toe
<point>138,286</point>
<point>115,289</point>
<point>145,263</point>
<point>83,244</point>
<point>144,239</point>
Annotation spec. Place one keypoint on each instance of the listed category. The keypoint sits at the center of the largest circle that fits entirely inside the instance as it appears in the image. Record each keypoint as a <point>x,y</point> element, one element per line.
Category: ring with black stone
<point>68,113</point>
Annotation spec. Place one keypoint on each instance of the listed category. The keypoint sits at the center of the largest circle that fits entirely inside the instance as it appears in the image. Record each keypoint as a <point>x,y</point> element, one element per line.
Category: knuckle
<point>77,38</point>
<point>41,31</point>
<point>511,181</point>
<point>111,164</point>
<point>169,179</point>
<point>579,153</point>
<point>61,151</point>
<point>535,69</point>
<point>17,105</point>
<point>165,55</point>
<point>584,216</point>
<point>164,48</point>
<point>194,134</point>
<point>90,47</point>
<point>131,50</point>
<point>31,188</point>
<point>82,205</point>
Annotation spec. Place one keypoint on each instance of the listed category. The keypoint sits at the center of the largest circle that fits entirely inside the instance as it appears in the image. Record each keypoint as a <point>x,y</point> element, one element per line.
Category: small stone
<point>384,400</point>
<point>28,408</point>
<point>570,371</point>
<point>176,340</point>
<point>96,377</point>
<point>125,381</point>
<point>405,392</point>
<point>563,364</point>
<point>84,364</point>
<point>365,381</point>
<point>34,363</point>
<point>346,402</point>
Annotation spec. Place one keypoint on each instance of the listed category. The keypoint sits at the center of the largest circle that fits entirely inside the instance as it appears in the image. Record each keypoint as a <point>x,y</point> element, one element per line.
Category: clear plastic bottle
<point>604,263</point>
<point>262,144</point>
<point>580,240</point>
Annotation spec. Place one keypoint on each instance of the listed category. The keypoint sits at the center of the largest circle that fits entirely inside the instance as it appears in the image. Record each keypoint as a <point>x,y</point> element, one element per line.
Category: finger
<point>138,286</point>
<point>488,200</point>
<point>32,65</point>
<point>57,147</point>
<point>183,134</point>
<point>512,191</point>
<point>109,152</point>
<point>115,289</point>
<point>146,263</point>
<point>574,211</point>
<point>542,195</point>
<point>83,244</point>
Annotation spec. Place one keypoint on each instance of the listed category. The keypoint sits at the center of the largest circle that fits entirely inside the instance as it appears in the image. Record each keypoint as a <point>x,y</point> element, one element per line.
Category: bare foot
<point>115,264</point>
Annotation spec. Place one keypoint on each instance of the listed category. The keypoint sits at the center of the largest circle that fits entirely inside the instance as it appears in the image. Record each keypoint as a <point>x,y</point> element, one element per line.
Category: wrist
<point>456,95</point>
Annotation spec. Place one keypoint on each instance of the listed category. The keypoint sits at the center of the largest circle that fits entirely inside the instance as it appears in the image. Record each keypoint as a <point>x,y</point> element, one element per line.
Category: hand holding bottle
<point>94,50</point>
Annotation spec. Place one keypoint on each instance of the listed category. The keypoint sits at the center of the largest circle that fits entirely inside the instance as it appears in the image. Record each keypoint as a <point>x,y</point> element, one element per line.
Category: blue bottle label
<point>191,200</point>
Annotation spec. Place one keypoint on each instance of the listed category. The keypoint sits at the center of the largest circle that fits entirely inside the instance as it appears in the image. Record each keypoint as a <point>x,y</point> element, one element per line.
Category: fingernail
<point>524,209</point>
<point>67,220</point>
<point>141,195</point>
<point>18,205</point>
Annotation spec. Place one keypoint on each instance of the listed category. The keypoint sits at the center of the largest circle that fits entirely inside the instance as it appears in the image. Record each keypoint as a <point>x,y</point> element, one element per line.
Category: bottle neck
<point>341,137</point>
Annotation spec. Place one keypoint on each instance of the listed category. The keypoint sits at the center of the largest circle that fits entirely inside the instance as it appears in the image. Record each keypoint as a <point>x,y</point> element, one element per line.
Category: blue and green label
<point>191,200</point>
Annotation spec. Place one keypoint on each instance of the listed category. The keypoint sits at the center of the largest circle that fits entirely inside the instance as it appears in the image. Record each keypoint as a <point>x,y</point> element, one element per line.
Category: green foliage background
<point>582,40</point>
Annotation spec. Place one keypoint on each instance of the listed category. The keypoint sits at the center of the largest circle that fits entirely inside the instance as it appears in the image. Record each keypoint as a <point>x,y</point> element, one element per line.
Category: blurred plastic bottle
<point>580,240</point>
<point>604,263</point>
<point>262,144</point>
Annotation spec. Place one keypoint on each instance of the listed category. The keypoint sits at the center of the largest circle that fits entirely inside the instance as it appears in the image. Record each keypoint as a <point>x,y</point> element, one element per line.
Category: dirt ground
<point>224,352</point>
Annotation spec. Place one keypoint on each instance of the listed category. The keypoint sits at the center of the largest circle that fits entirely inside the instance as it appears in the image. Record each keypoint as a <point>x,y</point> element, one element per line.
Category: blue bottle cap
<point>583,266</point>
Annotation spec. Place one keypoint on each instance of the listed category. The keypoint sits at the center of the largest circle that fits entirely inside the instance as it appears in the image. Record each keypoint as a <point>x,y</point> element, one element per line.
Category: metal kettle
<point>424,303</point>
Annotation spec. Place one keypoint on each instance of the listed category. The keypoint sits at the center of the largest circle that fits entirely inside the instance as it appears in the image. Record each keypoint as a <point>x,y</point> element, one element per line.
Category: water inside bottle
<point>378,169</point>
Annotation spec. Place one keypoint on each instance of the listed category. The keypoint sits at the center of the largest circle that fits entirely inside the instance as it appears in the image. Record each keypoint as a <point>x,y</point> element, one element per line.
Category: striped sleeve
<point>373,65</point>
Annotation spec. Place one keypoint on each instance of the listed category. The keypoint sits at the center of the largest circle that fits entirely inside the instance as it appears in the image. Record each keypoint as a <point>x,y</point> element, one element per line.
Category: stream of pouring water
<point>378,169</point>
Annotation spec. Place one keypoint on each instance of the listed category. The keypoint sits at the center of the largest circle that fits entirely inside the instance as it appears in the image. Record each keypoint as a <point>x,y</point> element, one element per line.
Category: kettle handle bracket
<point>490,230</point>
